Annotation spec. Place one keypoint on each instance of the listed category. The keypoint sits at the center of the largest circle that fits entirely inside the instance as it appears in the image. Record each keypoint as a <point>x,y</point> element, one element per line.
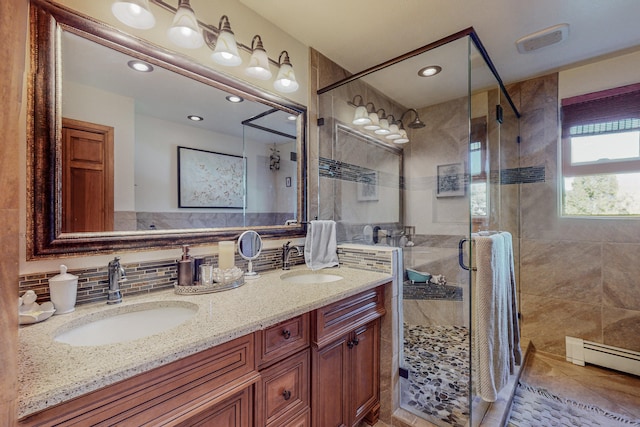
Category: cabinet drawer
<point>301,420</point>
<point>281,340</point>
<point>334,320</point>
<point>283,390</point>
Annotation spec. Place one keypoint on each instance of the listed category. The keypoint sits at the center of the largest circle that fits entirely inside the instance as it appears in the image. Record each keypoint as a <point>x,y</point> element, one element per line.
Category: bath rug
<point>536,407</point>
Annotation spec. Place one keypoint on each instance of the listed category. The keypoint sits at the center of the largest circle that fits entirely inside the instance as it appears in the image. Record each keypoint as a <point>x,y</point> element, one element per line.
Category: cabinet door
<point>232,412</point>
<point>364,375</point>
<point>330,384</point>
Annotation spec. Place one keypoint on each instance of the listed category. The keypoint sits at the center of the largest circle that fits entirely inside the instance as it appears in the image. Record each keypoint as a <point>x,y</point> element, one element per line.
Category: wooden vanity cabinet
<point>212,387</point>
<point>346,360</point>
<point>319,368</point>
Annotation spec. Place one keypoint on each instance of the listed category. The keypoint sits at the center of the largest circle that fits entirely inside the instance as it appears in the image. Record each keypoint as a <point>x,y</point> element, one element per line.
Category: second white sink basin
<point>126,323</point>
<point>310,277</point>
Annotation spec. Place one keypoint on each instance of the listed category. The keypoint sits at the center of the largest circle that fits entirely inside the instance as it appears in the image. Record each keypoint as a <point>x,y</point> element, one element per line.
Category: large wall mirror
<point>116,163</point>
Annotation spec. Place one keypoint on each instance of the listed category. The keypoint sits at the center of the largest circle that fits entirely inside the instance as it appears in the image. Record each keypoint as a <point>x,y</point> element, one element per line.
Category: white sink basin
<point>310,277</point>
<point>126,323</point>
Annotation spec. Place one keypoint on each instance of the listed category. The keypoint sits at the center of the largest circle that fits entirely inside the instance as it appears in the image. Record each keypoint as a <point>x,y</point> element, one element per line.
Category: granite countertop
<point>51,372</point>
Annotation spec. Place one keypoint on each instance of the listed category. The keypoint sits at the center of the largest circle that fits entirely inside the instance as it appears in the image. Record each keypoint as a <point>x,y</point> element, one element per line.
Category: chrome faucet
<point>116,275</point>
<point>286,251</point>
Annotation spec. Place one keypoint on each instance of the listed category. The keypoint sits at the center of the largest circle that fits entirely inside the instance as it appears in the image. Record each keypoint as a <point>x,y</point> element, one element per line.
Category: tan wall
<point>13,32</point>
<point>578,277</point>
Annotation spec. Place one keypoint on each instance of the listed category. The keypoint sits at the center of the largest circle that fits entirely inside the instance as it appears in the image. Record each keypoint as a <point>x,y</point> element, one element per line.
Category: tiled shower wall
<point>578,277</point>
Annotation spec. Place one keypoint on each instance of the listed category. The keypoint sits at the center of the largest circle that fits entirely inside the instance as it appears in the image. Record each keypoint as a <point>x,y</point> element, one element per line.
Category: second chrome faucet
<point>286,252</point>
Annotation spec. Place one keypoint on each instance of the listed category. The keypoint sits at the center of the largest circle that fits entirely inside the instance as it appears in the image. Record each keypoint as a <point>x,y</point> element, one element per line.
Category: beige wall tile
<point>621,276</point>
<point>621,328</point>
<point>562,270</point>
<point>546,322</point>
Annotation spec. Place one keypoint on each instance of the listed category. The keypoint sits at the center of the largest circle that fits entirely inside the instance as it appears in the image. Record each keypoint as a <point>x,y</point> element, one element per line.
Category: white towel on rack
<point>515,352</point>
<point>492,353</point>
<point>320,246</point>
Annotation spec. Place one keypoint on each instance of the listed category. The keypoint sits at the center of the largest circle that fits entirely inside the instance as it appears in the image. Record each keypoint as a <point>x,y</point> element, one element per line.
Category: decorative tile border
<point>335,169</point>
<point>329,168</point>
<point>144,277</point>
<point>366,259</point>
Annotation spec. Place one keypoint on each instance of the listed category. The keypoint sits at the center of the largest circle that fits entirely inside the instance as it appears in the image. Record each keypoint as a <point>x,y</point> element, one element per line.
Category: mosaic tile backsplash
<point>93,283</point>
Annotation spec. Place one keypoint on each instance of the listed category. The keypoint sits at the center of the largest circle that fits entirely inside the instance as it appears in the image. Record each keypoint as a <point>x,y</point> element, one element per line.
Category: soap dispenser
<point>185,268</point>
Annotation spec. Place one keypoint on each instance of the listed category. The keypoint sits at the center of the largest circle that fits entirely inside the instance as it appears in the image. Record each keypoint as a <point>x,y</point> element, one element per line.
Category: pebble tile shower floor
<point>437,358</point>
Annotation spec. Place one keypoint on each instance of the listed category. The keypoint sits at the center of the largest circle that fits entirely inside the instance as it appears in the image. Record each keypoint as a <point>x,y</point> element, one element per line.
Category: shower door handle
<point>461,253</point>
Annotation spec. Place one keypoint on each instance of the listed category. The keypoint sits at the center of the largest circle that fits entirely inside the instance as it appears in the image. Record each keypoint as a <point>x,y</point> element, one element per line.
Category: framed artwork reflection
<point>367,186</point>
<point>450,180</point>
<point>207,179</point>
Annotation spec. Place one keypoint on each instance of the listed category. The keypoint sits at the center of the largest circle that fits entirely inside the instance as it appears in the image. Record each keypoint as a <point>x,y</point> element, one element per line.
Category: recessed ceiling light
<point>429,71</point>
<point>195,118</point>
<point>234,98</point>
<point>143,67</point>
<point>292,117</point>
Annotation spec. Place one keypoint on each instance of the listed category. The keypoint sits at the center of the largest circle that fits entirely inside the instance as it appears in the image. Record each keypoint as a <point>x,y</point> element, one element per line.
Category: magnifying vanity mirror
<point>249,248</point>
<point>117,158</point>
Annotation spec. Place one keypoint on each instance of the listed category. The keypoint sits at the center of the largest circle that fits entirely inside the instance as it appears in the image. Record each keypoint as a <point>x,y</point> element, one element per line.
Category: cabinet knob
<point>350,344</point>
<point>353,342</point>
<point>286,394</point>
<point>286,334</point>
<point>356,341</point>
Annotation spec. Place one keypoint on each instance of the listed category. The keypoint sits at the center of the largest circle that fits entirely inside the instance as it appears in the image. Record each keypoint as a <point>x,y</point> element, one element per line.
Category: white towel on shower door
<point>491,320</point>
<point>515,352</point>
<point>320,246</point>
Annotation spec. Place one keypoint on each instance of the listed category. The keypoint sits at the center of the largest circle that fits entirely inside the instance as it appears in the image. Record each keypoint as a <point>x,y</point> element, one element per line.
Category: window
<point>601,153</point>
<point>478,166</point>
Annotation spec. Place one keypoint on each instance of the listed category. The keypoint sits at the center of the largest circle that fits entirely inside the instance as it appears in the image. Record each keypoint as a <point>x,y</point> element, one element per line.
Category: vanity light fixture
<point>403,139</point>
<point>226,48</point>
<point>185,31</point>
<point>394,130</point>
<point>259,63</point>
<point>134,13</point>
<point>378,122</point>
<point>140,66</point>
<point>384,127</point>
<point>374,118</point>
<point>361,115</point>
<point>188,32</point>
<point>430,70</point>
<point>286,79</point>
<point>234,98</point>
<point>195,118</point>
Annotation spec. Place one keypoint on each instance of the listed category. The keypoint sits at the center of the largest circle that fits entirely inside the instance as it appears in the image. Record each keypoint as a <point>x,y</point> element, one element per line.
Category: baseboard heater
<point>581,352</point>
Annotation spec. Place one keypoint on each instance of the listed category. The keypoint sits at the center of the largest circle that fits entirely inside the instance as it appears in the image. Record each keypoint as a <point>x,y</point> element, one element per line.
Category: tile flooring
<point>608,389</point>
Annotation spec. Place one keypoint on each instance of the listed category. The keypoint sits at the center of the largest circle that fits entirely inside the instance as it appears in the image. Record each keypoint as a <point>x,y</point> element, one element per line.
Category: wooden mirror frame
<point>44,238</point>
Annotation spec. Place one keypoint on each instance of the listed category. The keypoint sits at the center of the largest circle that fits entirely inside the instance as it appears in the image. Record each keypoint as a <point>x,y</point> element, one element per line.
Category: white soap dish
<point>31,312</point>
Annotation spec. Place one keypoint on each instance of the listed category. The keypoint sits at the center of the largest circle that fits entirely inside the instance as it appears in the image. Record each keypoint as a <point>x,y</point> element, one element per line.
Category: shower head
<point>417,123</point>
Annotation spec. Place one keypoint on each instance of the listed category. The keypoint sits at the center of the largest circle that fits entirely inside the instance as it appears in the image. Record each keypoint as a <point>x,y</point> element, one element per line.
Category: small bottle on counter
<point>185,268</point>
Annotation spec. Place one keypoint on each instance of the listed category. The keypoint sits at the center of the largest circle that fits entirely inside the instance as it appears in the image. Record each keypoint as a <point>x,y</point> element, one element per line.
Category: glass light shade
<point>226,51</point>
<point>384,127</point>
<point>286,80</point>
<point>394,132</point>
<point>184,30</point>
<point>134,13</point>
<point>361,116</point>
<point>375,122</point>
<point>259,65</point>
<point>403,137</point>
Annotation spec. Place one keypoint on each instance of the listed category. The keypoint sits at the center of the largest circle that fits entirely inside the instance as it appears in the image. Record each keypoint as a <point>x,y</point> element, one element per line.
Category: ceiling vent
<point>543,38</point>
